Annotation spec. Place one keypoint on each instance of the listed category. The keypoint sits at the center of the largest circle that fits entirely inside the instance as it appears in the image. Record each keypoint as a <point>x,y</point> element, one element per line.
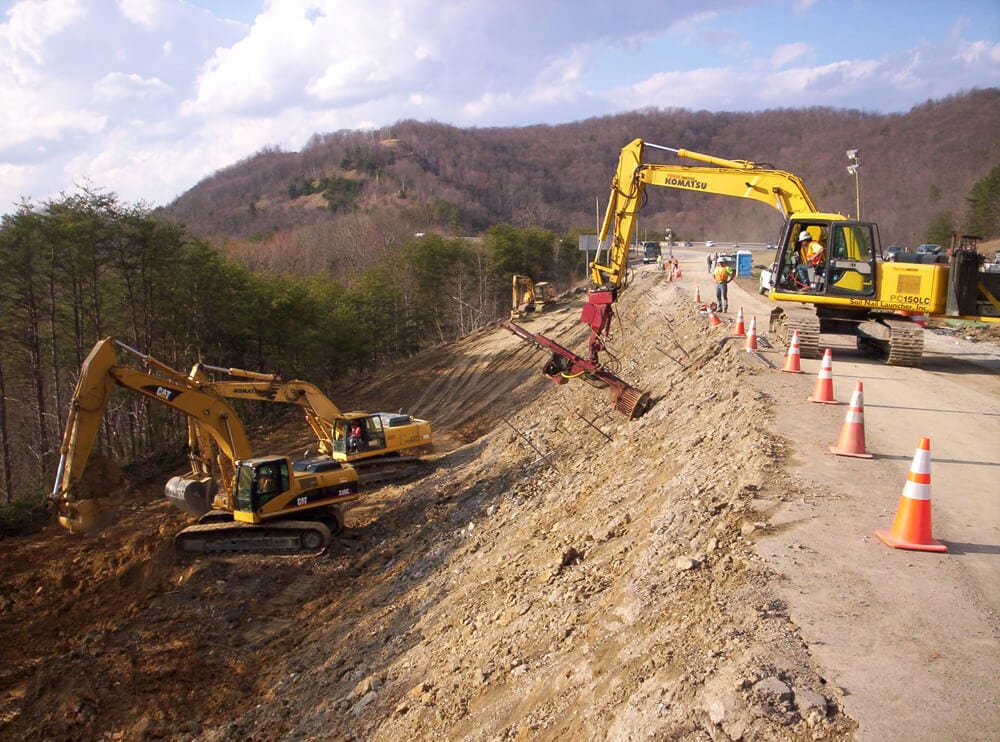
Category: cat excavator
<point>385,448</point>
<point>257,503</point>
<point>851,290</point>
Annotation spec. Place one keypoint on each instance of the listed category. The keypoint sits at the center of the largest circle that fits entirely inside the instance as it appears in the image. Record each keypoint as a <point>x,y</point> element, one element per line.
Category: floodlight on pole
<point>853,156</point>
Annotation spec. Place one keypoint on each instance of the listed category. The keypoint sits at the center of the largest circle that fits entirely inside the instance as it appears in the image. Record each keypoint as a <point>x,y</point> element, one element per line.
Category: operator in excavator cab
<point>812,254</point>
<point>355,438</point>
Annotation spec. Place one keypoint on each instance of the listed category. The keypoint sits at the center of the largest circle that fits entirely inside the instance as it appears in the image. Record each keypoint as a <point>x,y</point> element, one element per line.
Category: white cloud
<point>31,25</point>
<point>146,97</point>
<point>787,53</point>
<point>145,13</point>
<point>118,85</point>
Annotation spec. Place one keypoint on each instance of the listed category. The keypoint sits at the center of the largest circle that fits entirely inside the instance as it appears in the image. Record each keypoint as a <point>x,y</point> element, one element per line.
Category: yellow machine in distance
<point>528,296</point>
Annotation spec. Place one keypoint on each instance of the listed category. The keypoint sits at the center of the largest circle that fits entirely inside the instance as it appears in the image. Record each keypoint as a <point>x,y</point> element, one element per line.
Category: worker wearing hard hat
<point>813,254</point>
<point>723,273</point>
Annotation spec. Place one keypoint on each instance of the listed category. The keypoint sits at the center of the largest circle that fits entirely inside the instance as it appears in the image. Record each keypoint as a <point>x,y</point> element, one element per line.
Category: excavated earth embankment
<point>558,573</point>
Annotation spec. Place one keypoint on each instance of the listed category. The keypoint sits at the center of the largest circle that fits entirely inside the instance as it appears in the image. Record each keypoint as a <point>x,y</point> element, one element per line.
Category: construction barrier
<point>852,432</point>
<point>823,391</point>
<point>793,361</point>
<point>912,527</point>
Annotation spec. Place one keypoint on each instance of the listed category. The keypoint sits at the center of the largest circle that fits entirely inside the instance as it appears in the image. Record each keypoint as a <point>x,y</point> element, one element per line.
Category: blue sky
<point>147,97</point>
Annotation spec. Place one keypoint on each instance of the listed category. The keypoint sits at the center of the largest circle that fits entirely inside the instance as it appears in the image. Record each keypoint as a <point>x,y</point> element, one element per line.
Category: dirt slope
<point>554,575</point>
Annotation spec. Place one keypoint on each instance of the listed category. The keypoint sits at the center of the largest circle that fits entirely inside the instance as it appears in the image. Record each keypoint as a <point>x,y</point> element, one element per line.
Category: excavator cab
<point>258,481</point>
<point>369,439</point>
<point>847,266</point>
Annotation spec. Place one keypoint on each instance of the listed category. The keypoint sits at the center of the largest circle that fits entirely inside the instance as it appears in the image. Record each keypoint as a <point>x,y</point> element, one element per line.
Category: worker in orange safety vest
<point>812,253</point>
<point>723,275</point>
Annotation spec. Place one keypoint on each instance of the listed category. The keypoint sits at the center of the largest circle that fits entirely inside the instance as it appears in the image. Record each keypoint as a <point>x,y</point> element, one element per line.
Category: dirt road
<point>913,637</point>
<point>706,572</point>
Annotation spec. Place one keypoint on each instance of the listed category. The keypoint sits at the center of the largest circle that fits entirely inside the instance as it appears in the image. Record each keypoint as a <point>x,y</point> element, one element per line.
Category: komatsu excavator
<point>258,504</point>
<point>852,290</point>
<point>378,452</point>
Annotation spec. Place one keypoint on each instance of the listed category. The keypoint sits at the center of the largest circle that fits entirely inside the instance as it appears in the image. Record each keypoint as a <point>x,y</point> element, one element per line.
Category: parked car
<point>929,247</point>
<point>892,251</point>
<point>709,243</point>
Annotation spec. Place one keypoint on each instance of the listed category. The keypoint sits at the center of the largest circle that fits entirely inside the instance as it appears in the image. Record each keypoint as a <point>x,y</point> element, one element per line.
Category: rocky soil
<point>559,572</point>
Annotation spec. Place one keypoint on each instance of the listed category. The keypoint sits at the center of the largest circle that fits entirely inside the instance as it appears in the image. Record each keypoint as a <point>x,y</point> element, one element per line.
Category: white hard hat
<point>804,235</point>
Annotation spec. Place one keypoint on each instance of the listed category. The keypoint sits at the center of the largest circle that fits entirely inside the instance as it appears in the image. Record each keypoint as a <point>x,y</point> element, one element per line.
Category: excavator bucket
<point>87,517</point>
<point>89,507</point>
<point>192,495</point>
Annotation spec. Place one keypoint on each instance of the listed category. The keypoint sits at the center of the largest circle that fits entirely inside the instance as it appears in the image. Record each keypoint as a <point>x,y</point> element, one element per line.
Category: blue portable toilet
<point>744,262</point>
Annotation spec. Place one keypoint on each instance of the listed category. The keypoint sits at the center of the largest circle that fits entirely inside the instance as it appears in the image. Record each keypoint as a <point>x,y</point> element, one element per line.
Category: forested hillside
<point>87,267</point>
<point>349,195</point>
<point>367,247</point>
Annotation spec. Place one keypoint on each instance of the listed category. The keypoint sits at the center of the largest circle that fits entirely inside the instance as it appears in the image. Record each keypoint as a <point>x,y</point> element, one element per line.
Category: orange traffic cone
<point>713,318</point>
<point>912,527</point>
<point>697,294</point>
<point>752,335</point>
<point>792,360</point>
<point>823,392</point>
<point>852,432</point>
<point>738,330</point>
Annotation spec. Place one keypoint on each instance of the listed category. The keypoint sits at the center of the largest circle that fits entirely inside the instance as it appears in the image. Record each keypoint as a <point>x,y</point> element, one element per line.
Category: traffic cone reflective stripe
<point>852,432</point>
<point>739,330</point>
<point>911,528</point>
<point>793,359</point>
<point>752,336</point>
<point>823,391</point>
<point>713,318</point>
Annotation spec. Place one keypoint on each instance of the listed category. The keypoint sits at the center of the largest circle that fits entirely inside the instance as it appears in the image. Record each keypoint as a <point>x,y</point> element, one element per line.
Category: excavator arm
<point>608,273</point>
<point>385,436</point>
<point>320,411</point>
<point>83,501</point>
<point>739,178</point>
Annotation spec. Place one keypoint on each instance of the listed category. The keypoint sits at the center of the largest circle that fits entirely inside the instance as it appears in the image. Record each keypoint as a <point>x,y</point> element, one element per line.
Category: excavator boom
<point>83,507</point>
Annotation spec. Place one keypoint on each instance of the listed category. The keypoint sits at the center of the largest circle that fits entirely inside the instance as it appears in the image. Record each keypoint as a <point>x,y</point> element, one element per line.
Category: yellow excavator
<point>384,446</point>
<point>528,296</point>
<point>257,504</point>
<point>851,289</point>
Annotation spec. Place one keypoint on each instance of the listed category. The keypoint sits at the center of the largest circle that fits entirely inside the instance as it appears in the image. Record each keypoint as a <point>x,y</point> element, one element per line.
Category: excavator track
<point>784,326</point>
<point>906,343</point>
<point>390,469</point>
<point>279,537</point>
